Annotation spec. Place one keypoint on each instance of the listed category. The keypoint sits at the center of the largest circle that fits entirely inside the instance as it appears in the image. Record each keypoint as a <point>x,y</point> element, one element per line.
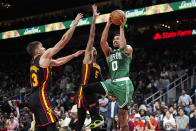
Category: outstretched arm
<point>63,60</point>
<point>104,44</point>
<point>123,44</point>
<point>49,53</point>
<point>91,37</point>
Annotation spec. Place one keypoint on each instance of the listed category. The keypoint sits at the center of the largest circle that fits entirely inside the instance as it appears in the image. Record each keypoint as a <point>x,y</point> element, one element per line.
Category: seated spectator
<point>192,123</point>
<point>116,123</point>
<point>131,125</point>
<point>149,109</point>
<point>159,118</point>
<point>133,112</point>
<point>164,73</point>
<point>156,106</point>
<point>87,121</point>
<point>24,124</point>
<point>163,105</point>
<point>143,115</point>
<point>171,111</point>
<point>184,98</point>
<point>12,124</point>
<point>182,120</point>
<point>169,122</point>
<point>64,122</point>
<point>138,123</point>
<point>74,117</point>
<point>152,123</point>
<point>152,86</point>
<point>192,108</point>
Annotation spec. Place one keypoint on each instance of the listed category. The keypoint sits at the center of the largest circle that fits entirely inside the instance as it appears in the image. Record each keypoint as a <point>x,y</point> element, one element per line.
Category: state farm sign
<point>174,34</point>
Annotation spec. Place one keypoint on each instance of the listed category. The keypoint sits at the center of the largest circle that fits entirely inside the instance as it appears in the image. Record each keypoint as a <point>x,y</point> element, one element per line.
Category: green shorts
<point>123,90</point>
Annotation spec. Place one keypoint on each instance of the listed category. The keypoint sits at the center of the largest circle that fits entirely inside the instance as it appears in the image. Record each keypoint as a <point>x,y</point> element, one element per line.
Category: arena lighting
<point>174,34</point>
<point>146,11</point>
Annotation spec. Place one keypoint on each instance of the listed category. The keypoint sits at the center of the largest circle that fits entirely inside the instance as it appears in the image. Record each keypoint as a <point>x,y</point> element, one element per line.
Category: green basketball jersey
<point>119,64</point>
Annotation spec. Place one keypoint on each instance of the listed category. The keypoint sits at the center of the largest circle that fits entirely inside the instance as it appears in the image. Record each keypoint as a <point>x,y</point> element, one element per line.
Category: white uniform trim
<point>127,94</point>
<point>121,79</point>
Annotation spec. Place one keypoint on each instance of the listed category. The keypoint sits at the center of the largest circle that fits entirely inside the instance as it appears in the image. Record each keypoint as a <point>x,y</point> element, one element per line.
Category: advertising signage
<point>150,10</point>
<point>174,34</point>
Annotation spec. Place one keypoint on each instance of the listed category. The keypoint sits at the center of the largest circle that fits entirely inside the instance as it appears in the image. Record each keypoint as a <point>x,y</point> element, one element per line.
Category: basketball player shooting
<point>40,76</point>
<point>118,60</point>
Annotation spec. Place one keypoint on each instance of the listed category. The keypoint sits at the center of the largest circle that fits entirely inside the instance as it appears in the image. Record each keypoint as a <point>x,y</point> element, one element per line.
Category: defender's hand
<point>94,7</point>
<point>78,53</point>
<point>78,17</point>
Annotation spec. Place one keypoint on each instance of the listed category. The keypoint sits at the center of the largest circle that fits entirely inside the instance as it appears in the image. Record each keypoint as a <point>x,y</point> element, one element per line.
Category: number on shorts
<point>114,66</point>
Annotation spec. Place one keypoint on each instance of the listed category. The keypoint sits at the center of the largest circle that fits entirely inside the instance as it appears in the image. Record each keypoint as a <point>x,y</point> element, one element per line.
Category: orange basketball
<point>117,16</point>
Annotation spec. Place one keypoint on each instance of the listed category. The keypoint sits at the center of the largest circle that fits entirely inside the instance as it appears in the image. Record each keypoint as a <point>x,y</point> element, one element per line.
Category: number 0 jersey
<point>119,64</point>
<point>39,77</point>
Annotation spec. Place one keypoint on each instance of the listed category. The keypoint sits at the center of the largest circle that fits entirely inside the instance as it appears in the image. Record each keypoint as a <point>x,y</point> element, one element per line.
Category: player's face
<point>41,49</point>
<point>116,42</point>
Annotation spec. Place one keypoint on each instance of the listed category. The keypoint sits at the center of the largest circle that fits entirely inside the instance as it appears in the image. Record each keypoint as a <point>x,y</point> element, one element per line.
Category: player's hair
<point>31,47</point>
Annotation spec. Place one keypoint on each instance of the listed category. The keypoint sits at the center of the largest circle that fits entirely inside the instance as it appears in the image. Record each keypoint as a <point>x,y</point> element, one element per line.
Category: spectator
<point>103,102</point>
<point>182,120</point>
<point>5,106</point>
<point>24,124</point>
<point>192,108</point>
<point>164,73</point>
<point>159,118</point>
<point>163,105</point>
<point>116,123</point>
<point>171,111</point>
<point>87,121</point>
<point>192,123</point>
<point>64,122</point>
<point>143,115</point>
<point>152,86</point>
<point>74,117</point>
<point>149,109</point>
<point>152,123</point>
<point>184,98</point>
<point>169,122</point>
<point>132,115</point>
<point>138,124</point>
<point>111,112</point>
<point>156,106</point>
<point>12,124</point>
<point>131,125</point>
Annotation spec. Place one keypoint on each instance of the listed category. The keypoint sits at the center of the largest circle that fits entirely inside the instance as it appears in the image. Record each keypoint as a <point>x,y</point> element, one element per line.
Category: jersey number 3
<point>35,80</point>
<point>114,65</point>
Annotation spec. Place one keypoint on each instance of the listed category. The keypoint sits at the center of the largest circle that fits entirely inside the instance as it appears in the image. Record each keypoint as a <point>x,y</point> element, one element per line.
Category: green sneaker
<point>95,123</point>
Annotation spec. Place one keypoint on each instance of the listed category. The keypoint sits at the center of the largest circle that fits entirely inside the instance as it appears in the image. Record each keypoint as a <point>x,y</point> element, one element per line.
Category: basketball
<point>117,16</point>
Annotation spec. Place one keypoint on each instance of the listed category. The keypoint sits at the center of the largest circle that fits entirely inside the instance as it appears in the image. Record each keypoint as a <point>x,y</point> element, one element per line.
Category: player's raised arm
<point>63,60</point>
<point>49,53</point>
<point>123,44</point>
<point>104,44</point>
<point>91,36</point>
